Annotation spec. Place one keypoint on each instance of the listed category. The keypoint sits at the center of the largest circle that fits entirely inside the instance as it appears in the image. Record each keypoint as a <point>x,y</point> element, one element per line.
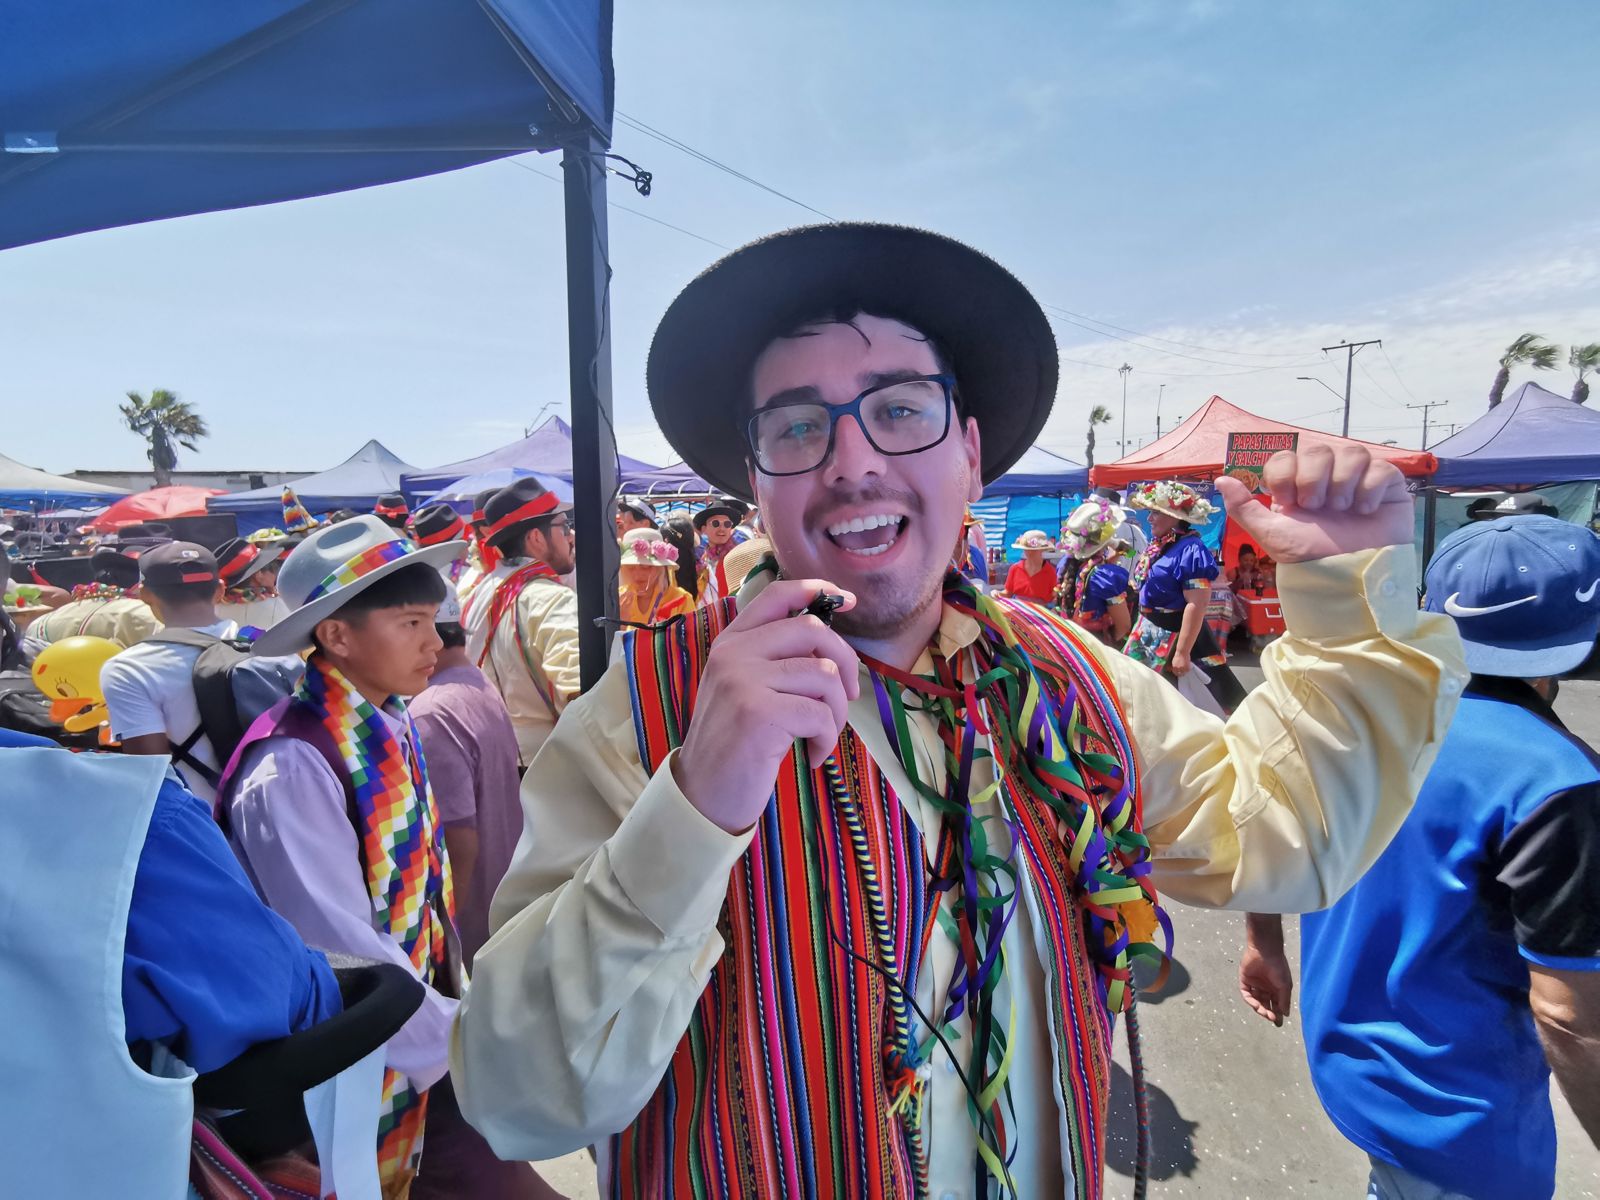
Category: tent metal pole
<point>1430,517</point>
<point>594,446</point>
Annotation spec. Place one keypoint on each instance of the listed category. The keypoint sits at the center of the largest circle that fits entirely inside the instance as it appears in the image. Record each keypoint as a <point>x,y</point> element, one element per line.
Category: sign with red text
<point>1248,454</point>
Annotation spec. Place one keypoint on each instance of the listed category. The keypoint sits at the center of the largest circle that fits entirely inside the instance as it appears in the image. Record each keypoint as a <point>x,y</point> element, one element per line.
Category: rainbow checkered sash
<point>402,855</point>
<point>797,1075</point>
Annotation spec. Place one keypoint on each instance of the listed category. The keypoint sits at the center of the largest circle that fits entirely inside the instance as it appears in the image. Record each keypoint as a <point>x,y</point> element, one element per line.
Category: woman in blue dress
<point>1173,577</point>
<point>1093,587</point>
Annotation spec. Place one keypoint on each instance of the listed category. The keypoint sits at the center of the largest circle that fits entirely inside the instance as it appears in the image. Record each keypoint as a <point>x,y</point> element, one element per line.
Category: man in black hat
<point>149,687</point>
<point>781,872</point>
<point>716,523</point>
<point>634,513</point>
<point>1517,504</point>
<point>249,574</point>
<point>522,620</point>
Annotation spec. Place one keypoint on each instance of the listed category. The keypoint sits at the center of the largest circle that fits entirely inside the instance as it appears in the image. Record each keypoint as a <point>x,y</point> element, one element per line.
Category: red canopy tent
<point>1198,448</point>
<point>158,504</point>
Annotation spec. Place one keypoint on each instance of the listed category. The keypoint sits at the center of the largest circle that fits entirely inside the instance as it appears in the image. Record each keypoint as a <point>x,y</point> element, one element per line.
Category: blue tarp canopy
<point>677,479</point>
<point>1041,472</point>
<point>547,451</point>
<point>27,487</point>
<point>355,483</point>
<point>112,113</point>
<point>1532,438</point>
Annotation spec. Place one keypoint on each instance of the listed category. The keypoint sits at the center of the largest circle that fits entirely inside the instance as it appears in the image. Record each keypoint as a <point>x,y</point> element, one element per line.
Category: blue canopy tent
<point>355,483</point>
<point>547,450</point>
<point>677,479</point>
<point>114,113</point>
<point>27,487</point>
<point>1041,472</point>
<point>1534,437</point>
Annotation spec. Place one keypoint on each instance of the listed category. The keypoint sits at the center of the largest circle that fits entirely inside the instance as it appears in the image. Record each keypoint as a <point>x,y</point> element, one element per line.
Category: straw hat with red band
<point>510,510</point>
<point>437,524</point>
<point>238,559</point>
<point>332,565</point>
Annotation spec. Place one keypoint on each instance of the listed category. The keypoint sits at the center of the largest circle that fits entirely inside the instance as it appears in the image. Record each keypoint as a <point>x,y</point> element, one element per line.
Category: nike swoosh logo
<point>1587,594</point>
<point>1465,610</point>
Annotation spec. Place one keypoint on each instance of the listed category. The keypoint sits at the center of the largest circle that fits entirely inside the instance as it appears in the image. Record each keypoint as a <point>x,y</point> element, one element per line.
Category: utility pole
<point>1123,370</point>
<point>1350,348</point>
<point>1425,409</point>
<point>1159,394</point>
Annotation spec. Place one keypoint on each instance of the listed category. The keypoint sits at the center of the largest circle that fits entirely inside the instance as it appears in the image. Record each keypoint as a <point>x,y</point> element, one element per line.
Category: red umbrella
<point>158,504</point>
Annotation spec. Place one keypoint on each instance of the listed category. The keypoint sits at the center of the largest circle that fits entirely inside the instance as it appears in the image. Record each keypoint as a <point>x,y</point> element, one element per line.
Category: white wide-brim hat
<point>1034,539</point>
<point>1176,499</point>
<point>333,564</point>
<point>1091,526</point>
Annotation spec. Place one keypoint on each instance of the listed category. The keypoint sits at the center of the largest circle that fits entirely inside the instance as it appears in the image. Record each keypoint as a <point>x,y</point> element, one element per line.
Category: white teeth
<point>862,524</point>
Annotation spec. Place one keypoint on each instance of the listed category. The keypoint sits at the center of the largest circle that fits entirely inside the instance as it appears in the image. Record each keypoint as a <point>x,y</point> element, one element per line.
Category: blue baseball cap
<point>1524,592</point>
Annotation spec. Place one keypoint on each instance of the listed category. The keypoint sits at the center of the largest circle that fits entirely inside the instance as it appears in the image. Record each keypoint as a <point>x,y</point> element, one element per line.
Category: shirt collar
<point>1514,691</point>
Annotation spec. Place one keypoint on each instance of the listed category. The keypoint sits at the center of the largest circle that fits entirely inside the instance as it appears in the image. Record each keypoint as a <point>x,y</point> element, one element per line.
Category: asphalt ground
<point>1233,1113</point>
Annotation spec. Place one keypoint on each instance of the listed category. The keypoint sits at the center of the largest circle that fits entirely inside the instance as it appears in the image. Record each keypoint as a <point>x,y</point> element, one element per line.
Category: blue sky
<point>1238,182</point>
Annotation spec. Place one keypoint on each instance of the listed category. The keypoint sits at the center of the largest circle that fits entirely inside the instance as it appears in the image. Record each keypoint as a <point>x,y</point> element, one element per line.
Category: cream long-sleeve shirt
<point>540,677</point>
<point>603,934</point>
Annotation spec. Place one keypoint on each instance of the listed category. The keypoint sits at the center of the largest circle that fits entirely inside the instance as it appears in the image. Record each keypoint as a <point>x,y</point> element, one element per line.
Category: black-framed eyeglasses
<point>903,417</point>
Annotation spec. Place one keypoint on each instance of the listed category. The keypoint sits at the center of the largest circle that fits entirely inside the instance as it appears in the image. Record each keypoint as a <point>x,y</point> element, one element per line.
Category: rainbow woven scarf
<point>799,1072</point>
<point>402,853</point>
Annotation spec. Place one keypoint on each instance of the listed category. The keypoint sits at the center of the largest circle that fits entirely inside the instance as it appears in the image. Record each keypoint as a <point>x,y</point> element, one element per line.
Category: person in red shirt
<point>1032,578</point>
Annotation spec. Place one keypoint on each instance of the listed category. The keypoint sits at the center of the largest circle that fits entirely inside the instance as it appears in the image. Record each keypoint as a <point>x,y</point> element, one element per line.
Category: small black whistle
<point>824,606</point>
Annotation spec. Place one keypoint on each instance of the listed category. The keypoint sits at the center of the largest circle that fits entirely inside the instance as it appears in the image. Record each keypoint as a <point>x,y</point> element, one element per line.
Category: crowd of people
<point>835,816</point>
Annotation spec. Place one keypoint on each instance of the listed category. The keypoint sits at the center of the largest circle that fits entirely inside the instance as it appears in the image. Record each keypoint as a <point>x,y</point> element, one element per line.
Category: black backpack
<point>232,687</point>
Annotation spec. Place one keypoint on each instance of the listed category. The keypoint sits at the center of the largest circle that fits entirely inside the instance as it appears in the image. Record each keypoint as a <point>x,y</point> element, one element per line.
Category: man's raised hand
<point>1324,502</point>
<point>771,679</point>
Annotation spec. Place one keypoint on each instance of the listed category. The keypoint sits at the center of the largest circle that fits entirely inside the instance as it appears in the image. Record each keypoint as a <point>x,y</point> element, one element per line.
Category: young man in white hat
<point>327,800</point>
<point>522,620</point>
<point>755,901</point>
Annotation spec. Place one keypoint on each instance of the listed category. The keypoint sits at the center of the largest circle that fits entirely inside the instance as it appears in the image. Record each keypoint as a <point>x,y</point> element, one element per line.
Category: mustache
<point>908,502</point>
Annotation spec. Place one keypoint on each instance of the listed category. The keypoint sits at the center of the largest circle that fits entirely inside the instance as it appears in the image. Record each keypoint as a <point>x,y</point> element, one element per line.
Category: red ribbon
<point>537,507</point>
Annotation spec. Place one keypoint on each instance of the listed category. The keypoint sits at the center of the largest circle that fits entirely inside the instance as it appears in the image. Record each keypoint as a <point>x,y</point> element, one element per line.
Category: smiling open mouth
<point>869,535</point>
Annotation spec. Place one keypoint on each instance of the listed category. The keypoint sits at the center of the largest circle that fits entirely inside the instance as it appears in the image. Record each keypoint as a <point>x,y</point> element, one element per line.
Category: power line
<point>1171,341</point>
<point>624,208</point>
<point>1057,315</point>
<point>1392,370</point>
<point>1392,401</point>
<point>667,139</point>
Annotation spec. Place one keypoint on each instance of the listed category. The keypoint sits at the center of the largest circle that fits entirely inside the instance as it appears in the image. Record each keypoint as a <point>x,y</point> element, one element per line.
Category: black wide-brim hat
<point>1000,343</point>
<point>723,506</point>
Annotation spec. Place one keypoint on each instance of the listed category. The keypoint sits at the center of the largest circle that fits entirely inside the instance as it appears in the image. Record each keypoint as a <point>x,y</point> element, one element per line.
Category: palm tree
<point>1099,415</point>
<point>1530,348</point>
<point>163,420</point>
<point>1583,359</point>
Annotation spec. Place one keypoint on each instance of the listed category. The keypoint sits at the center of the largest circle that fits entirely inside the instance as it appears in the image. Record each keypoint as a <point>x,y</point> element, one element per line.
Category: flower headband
<point>642,553</point>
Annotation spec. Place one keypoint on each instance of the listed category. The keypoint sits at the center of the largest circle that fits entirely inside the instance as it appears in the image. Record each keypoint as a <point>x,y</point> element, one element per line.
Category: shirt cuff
<point>673,862</point>
<point>1557,962</point>
<point>1367,593</point>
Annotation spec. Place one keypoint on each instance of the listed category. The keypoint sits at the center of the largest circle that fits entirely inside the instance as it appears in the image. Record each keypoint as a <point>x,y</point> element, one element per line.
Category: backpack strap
<point>213,694</point>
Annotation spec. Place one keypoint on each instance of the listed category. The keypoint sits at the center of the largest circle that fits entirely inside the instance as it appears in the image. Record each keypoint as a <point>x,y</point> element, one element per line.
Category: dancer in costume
<point>522,621</point>
<point>649,594</point>
<point>1094,585</point>
<point>250,574</point>
<point>850,911</point>
<point>716,523</point>
<point>327,802</point>
<point>438,525</point>
<point>482,558</point>
<point>1032,578</point>
<point>1173,578</point>
<point>392,509</point>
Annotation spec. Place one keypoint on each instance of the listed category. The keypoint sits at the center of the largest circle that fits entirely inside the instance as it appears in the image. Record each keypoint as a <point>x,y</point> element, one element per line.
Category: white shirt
<point>149,688</point>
